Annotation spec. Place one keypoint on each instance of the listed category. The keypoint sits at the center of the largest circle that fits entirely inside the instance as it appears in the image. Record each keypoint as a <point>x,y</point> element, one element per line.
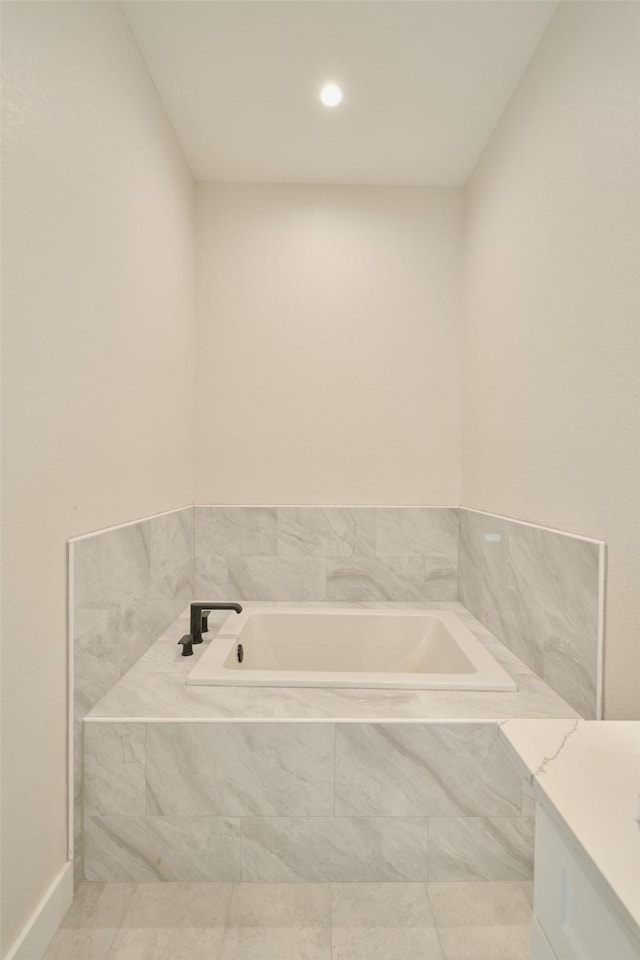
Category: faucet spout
<point>199,623</point>
<point>199,618</point>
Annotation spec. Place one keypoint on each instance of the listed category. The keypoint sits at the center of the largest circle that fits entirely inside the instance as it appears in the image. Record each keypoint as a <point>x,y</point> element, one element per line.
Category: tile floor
<point>296,921</point>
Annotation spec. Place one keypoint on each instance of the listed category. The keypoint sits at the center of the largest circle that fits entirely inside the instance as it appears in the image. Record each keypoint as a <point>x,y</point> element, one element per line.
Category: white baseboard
<point>45,919</point>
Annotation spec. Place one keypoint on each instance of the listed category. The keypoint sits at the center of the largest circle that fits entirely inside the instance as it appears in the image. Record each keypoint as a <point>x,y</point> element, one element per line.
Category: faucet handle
<point>187,645</point>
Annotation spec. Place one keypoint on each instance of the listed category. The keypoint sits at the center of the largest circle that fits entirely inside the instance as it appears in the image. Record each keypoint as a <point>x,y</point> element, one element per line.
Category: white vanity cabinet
<point>573,919</point>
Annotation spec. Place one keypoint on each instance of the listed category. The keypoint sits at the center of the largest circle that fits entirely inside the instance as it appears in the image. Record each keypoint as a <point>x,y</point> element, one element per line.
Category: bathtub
<point>298,647</point>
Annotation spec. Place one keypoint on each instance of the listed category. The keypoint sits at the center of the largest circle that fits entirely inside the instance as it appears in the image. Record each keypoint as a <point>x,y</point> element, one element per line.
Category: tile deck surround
<point>275,785</point>
<point>155,687</point>
<point>192,783</point>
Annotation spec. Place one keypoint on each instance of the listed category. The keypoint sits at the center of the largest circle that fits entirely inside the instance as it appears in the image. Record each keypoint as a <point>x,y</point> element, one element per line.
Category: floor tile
<point>276,943</point>
<point>485,904</point>
<point>99,905</point>
<point>159,905</point>
<point>386,943</point>
<point>486,943</point>
<point>74,943</point>
<point>280,905</point>
<point>167,944</point>
<point>373,905</point>
<point>291,921</point>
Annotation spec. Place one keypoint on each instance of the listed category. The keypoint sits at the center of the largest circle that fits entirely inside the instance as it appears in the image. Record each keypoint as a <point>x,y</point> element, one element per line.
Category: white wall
<point>552,396</point>
<point>98,361</point>
<point>328,344</point>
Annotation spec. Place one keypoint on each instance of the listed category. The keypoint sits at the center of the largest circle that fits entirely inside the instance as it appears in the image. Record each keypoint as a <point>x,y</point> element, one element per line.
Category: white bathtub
<point>298,647</point>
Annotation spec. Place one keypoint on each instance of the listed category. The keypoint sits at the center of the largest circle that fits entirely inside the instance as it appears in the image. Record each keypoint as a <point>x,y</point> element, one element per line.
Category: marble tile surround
<point>155,686</point>
<point>127,585</point>
<point>326,553</point>
<point>301,802</point>
<point>539,591</point>
<point>536,590</point>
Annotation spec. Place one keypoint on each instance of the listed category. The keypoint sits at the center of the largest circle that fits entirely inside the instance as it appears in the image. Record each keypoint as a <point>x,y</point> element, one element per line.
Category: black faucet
<point>199,623</point>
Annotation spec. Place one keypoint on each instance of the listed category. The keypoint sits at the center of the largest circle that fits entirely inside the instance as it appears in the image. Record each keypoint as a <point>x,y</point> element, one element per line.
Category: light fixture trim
<point>331,94</point>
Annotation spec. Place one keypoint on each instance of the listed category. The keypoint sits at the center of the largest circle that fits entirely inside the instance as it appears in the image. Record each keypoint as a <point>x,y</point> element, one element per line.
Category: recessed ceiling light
<point>331,95</point>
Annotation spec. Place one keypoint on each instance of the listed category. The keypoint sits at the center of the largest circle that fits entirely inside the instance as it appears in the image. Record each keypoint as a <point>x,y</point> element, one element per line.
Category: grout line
<point>70,693</point>
<point>334,767</point>
<point>600,642</point>
<point>334,720</point>
<point>330,885</point>
<point>234,884</point>
<point>146,790</point>
<point>310,816</point>
<point>430,902</point>
<point>241,848</point>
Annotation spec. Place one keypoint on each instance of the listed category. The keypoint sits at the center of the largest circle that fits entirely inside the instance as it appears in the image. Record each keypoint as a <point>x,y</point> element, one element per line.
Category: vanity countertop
<point>586,775</point>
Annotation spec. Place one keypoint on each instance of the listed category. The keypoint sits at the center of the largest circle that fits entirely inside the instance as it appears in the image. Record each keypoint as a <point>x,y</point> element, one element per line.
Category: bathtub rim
<point>489,676</point>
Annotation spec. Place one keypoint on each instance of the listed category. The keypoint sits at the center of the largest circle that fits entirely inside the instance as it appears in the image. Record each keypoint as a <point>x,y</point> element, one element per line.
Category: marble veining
<point>401,578</point>
<point>481,848</point>
<point>539,592</point>
<point>140,696</point>
<point>302,801</point>
<point>235,531</point>
<point>586,775</point>
<point>277,578</point>
<point>336,553</point>
<point>438,770</point>
<point>247,769</point>
<point>418,532</point>
<point>326,531</point>
<point>334,848</point>
<point>211,576</point>
<point>114,771</point>
<point>162,848</point>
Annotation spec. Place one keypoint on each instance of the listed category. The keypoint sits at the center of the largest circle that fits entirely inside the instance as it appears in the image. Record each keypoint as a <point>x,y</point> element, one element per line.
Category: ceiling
<point>424,84</point>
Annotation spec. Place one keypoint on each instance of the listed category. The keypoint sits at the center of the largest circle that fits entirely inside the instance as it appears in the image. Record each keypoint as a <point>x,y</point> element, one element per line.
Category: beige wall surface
<point>328,345</point>
<point>97,301</point>
<point>551,423</point>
